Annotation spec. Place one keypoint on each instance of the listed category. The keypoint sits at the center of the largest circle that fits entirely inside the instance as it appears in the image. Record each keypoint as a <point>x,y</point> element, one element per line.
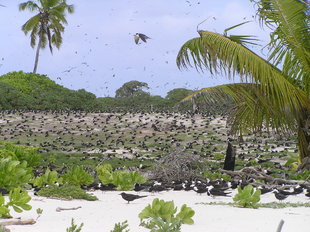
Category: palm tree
<point>46,25</point>
<point>273,93</point>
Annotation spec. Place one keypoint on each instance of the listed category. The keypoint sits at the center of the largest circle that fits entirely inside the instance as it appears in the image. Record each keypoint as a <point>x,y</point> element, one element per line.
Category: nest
<point>177,166</point>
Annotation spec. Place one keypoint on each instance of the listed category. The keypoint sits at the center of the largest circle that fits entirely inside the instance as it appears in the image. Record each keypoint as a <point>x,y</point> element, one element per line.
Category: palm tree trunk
<point>37,56</point>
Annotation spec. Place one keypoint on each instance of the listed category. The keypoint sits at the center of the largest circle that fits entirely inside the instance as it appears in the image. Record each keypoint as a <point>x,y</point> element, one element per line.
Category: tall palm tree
<point>46,25</point>
<point>273,93</point>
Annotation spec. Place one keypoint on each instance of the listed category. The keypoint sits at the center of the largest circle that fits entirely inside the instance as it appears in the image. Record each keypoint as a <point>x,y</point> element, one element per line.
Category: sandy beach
<point>101,215</point>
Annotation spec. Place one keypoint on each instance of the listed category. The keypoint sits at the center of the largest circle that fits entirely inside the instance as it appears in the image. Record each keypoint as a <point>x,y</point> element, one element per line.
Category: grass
<point>66,192</point>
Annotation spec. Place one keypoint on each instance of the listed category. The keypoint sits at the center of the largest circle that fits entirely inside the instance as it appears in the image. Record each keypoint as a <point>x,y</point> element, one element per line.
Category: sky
<point>99,54</point>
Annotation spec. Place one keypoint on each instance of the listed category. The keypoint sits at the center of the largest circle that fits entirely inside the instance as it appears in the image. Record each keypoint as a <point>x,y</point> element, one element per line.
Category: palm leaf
<point>252,110</point>
<point>219,54</point>
<point>290,44</point>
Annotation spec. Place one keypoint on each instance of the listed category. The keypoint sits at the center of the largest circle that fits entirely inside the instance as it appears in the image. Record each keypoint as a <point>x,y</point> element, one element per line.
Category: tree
<point>176,95</point>
<point>131,89</point>
<point>273,93</point>
<point>46,25</point>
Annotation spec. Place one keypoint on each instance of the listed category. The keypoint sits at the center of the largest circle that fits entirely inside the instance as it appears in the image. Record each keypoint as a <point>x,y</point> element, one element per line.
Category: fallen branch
<point>251,173</point>
<point>280,226</point>
<point>59,209</point>
<point>11,222</point>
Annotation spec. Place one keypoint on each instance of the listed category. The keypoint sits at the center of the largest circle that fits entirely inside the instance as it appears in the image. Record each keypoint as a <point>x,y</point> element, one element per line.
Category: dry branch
<point>59,209</point>
<point>248,173</point>
<point>11,222</point>
<point>177,166</point>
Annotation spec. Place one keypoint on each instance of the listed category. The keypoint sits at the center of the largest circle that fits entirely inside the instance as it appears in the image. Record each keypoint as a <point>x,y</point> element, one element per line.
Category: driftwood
<point>59,209</point>
<point>251,173</point>
<point>280,226</point>
<point>11,222</point>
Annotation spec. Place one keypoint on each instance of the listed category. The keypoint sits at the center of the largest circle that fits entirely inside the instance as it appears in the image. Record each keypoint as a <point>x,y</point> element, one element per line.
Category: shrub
<point>14,173</point>
<point>120,227</point>
<point>74,227</point>
<point>18,200</point>
<point>66,192</point>
<point>23,153</point>
<point>247,198</point>
<point>122,179</point>
<point>160,216</point>
<point>77,176</point>
<point>48,178</point>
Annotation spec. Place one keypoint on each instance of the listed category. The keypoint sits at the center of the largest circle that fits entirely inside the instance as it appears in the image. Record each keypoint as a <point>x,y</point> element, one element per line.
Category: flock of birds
<point>141,135</point>
<point>217,188</point>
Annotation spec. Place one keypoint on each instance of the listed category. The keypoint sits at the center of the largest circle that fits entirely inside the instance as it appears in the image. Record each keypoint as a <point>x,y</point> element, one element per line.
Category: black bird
<point>200,189</point>
<point>130,197</point>
<point>141,36</point>
<point>278,195</point>
<point>217,192</point>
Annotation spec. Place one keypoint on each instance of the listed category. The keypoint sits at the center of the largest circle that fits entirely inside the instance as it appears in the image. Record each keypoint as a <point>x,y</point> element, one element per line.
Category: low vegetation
<point>66,192</point>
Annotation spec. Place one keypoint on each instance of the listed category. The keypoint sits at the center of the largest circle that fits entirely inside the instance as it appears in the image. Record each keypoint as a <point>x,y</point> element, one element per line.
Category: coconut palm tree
<point>47,25</point>
<point>273,93</point>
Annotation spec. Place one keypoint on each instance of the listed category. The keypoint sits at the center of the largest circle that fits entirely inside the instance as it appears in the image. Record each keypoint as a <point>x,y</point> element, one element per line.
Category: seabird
<point>141,36</point>
<point>130,197</point>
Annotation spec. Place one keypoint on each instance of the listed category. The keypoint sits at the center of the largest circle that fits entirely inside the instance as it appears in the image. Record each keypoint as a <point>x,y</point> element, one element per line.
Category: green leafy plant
<point>23,153</point>
<point>247,197</point>
<point>293,161</point>
<point>18,200</point>
<point>77,176</point>
<point>122,179</point>
<point>48,178</point>
<point>126,180</point>
<point>39,212</point>
<point>66,192</point>
<point>14,173</point>
<point>160,216</point>
<point>120,227</point>
<point>104,173</point>
<point>74,227</point>
<point>216,175</point>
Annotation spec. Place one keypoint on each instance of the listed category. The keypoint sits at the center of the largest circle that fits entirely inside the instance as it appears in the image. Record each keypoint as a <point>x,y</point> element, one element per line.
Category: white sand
<point>100,216</point>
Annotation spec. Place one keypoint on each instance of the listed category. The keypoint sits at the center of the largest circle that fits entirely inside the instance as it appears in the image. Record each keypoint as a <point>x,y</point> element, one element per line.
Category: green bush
<point>74,227</point>
<point>77,176</point>
<point>23,153</point>
<point>160,216</point>
<point>247,198</point>
<point>66,192</point>
<point>48,178</point>
<point>216,175</point>
<point>14,173</point>
<point>18,200</point>
<point>122,179</point>
<point>120,227</point>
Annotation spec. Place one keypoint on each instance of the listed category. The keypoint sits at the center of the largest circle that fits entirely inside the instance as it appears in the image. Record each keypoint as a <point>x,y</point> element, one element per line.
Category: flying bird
<point>139,36</point>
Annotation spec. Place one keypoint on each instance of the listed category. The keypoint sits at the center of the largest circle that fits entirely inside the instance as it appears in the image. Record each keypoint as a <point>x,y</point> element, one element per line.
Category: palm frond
<point>31,23</point>
<point>240,39</point>
<point>30,5</point>
<point>219,54</point>
<point>252,110</point>
<point>290,40</point>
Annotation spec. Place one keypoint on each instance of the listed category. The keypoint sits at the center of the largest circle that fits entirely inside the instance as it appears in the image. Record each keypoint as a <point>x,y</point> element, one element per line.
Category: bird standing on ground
<point>141,36</point>
<point>278,195</point>
<point>130,197</point>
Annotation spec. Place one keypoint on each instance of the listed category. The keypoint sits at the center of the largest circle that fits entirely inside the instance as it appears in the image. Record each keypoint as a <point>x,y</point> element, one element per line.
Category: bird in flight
<point>139,36</point>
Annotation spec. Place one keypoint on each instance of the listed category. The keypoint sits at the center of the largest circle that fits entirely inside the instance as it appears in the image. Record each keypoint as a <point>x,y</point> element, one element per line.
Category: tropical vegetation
<point>47,25</point>
<point>273,93</point>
